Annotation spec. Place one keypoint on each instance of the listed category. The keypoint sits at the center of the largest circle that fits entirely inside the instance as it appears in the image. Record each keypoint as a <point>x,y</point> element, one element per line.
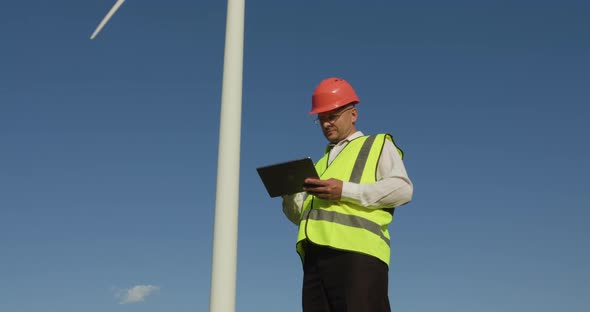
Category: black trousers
<point>341,281</point>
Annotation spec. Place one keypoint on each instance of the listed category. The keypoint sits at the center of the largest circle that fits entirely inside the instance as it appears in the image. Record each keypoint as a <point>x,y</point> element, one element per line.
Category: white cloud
<point>136,293</point>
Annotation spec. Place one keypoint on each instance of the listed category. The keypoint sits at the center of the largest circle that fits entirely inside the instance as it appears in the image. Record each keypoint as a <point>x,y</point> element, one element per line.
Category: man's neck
<point>350,136</point>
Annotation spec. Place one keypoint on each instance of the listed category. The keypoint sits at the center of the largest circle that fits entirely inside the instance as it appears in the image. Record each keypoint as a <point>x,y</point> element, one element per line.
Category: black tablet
<point>287,178</point>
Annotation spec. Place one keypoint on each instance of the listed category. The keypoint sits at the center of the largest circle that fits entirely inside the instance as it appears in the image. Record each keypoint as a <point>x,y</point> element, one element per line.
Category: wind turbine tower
<point>225,233</point>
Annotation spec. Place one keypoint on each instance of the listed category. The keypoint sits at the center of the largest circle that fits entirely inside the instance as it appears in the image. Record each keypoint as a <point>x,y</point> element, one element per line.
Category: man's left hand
<point>330,189</point>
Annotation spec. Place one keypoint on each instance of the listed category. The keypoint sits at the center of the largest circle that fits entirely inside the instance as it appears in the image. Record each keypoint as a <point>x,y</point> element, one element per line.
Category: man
<point>343,239</point>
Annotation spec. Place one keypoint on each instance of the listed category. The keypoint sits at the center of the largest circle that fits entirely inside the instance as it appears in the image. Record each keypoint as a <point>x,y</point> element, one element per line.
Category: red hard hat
<point>331,94</point>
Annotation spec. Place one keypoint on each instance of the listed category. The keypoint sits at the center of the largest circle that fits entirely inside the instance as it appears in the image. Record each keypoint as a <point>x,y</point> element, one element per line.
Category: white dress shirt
<point>392,189</point>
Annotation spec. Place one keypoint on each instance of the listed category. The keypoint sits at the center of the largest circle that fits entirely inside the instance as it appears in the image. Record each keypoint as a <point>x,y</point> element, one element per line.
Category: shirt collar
<point>345,141</point>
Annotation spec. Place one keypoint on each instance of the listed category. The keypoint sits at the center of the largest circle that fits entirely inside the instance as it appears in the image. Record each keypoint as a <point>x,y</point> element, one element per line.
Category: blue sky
<point>108,149</point>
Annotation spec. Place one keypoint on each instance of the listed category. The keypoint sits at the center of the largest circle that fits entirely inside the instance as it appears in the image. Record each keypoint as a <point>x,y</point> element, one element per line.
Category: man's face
<point>339,123</point>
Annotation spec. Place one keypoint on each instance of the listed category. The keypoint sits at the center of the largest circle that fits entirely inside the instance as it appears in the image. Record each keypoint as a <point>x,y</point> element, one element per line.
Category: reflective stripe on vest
<point>344,219</point>
<point>361,160</point>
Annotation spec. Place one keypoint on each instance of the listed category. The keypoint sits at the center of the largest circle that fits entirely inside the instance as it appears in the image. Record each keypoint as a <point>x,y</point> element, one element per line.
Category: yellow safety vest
<point>342,225</point>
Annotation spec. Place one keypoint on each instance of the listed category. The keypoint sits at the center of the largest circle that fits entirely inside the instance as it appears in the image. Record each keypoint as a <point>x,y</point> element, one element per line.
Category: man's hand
<point>325,189</point>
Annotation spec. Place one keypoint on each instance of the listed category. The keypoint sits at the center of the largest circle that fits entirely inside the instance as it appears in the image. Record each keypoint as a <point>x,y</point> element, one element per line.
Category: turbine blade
<point>107,18</point>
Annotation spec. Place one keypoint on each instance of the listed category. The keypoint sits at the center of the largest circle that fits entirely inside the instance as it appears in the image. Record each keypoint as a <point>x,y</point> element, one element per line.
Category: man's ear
<point>354,114</point>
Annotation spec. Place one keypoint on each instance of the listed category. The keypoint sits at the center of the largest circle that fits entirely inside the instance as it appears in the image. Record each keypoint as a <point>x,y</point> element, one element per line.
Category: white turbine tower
<point>225,233</point>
